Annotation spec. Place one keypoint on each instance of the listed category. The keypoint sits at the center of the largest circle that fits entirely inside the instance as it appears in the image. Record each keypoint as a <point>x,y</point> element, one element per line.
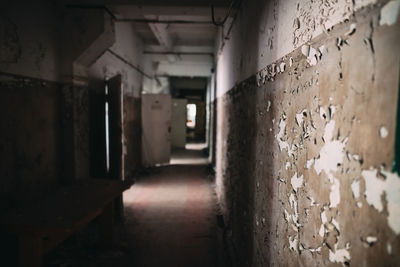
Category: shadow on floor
<point>170,220</point>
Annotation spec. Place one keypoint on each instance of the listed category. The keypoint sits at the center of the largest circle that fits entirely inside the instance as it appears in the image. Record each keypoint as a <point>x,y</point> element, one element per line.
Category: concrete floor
<point>170,216</point>
<point>169,221</point>
<point>192,154</point>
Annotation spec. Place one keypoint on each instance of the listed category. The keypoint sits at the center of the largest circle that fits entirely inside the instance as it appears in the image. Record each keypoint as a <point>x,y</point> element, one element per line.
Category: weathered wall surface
<point>30,39</point>
<point>133,135</point>
<point>129,47</point>
<point>265,31</point>
<point>46,137</point>
<point>31,149</point>
<point>305,149</point>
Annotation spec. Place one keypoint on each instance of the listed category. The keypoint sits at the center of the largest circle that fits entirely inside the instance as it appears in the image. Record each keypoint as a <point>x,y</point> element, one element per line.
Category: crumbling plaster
<point>303,165</point>
<point>30,44</point>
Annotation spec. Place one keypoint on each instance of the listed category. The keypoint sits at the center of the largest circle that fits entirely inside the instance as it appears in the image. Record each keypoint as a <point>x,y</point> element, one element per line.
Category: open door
<point>178,123</point>
<point>97,130</point>
<point>114,98</point>
<point>156,135</point>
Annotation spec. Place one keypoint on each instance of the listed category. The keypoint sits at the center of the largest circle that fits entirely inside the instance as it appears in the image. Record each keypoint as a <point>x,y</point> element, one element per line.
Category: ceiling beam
<point>160,31</point>
<point>200,13</point>
<point>180,49</point>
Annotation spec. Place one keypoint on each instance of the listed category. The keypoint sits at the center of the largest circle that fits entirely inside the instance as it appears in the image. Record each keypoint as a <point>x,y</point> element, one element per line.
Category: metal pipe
<point>138,20</point>
<point>164,21</point>
<point>179,53</point>
<point>93,7</point>
<point>129,64</point>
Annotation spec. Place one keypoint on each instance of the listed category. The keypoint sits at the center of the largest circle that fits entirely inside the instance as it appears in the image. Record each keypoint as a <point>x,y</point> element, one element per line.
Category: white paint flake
<point>321,49</point>
<point>318,249</point>
<point>352,29</point>
<point>282,67</point>
<point>323,217</point>
<point>312,56</point>
<point>331,153</point>
<point>355,187</point>
<point>312,201</point>
<point>295,215</point>
<point>389,13</point>
<point>296,182</point>
<point>322,113</point>
<point>375,187</point>
<point>309,163</point>
<point>300,116</point>
<point>283,144</point>
<point>336,224</point>
<point>305,49</point>
<point>383,132</point>
<point>292,201</point>
<point>340,255</point>
<point>334,195</point>
<point>371,239</point>
<point>287,215</point>
<point>310,53</point>
<point>332,110</point>
<point>322,230</point>
<point>293,243</point>
<point>287,165</point>
<point>269,105</point>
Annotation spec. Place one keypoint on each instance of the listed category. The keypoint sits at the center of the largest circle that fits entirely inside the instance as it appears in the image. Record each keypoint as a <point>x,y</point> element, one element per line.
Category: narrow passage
<point>170,218</point>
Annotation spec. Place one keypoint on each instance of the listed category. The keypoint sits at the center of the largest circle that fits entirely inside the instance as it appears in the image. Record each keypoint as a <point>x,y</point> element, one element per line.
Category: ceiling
<point>178,35</point>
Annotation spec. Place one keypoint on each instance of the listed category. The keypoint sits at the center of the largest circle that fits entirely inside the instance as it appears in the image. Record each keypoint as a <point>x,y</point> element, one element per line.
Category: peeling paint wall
<point>45,139</point>
<point>129,46</point>
<point>29,42</point>
<point>306,144</point>
<point>31,160</point>
<point>132,135</point>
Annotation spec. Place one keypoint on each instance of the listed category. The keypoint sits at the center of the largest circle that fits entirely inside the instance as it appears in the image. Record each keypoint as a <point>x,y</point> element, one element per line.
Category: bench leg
<point>30,251</point>
<point>106,220</point>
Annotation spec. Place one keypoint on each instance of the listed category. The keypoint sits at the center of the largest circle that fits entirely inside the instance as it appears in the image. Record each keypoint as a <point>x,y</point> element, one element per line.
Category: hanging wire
<point>226,17</point>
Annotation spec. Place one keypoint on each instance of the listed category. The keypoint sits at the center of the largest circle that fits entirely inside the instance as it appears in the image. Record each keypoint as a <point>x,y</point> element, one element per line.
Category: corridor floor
<point>169,220</point>
<point>170,217</point>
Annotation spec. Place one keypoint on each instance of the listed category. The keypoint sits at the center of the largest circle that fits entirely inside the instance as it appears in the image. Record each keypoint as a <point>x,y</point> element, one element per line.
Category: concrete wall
<point>31,160</point>
<point>306,137</point>
<point>128,46</point>
<point>30,39</point>
<point>45,54</point>
<point>133,135</point>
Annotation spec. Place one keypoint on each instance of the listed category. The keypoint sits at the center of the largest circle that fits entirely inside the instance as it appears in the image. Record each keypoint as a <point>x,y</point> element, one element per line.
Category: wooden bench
<point>41,225</point>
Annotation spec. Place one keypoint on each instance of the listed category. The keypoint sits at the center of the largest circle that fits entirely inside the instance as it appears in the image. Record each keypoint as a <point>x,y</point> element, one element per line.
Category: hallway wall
<point>45,104</point>
<point>129,46</point>
<point>31,161</point>
<point>306,137</point>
